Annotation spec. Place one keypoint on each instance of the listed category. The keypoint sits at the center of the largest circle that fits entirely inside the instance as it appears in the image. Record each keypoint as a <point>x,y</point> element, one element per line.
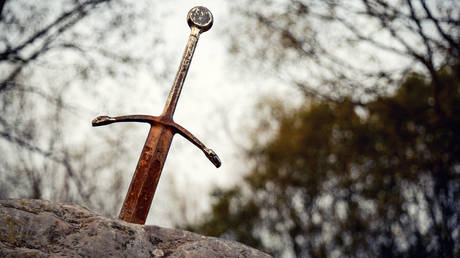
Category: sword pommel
<point>201,18</point>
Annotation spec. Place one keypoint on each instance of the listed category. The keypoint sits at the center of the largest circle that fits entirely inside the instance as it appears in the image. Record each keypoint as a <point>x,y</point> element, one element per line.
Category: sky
<point>216,105</point>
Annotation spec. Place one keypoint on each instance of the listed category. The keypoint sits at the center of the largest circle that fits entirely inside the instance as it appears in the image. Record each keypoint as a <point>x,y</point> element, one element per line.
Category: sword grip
<point>200,20</point>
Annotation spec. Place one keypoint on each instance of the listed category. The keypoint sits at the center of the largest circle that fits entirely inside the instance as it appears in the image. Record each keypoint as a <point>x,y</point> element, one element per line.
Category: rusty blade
<point>148,171</point>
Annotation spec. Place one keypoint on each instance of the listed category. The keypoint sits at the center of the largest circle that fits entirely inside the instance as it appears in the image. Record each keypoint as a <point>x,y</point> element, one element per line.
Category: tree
<point>49,55</point>
<point>334,181</point>
<point>357,48</point>
<point>330,182</point>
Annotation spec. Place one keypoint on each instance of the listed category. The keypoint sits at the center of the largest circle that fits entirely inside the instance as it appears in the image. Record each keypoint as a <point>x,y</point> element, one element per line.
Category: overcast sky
<point>216,105</point>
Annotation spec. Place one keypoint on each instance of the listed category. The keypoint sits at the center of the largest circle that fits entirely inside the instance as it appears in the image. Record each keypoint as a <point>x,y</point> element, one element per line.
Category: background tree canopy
<point>383,181</point>
<point>335,48</point>
<point>370,164</point>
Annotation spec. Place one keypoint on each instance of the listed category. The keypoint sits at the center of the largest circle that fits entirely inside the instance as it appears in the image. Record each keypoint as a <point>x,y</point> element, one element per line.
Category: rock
<point>37,228</point>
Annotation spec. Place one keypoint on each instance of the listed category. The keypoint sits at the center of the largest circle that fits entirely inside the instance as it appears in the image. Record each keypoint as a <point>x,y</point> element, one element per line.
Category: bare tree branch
<point>2,4</point>
<point>63,22</point>
<point>24,144</point>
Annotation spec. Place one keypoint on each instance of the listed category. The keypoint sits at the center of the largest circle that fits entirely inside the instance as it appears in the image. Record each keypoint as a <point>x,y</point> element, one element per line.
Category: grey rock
<point>38,228</point>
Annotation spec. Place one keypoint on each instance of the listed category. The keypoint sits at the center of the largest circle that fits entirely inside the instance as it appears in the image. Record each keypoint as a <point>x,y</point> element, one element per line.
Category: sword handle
<point>200,20</point>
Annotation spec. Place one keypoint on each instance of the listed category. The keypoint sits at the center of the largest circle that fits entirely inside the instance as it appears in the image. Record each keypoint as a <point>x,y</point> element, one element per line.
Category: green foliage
<point>336,179</point>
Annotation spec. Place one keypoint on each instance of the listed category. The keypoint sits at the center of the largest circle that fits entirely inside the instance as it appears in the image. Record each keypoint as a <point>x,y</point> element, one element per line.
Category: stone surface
<point>37,228</point>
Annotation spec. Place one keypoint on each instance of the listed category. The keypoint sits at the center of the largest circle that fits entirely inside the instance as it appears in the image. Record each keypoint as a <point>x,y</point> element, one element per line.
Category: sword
<point>162,129</point>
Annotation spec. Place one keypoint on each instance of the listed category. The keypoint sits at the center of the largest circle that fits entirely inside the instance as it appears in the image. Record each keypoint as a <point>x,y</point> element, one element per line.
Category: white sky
<point>216,105</point>
<point>215,95</point>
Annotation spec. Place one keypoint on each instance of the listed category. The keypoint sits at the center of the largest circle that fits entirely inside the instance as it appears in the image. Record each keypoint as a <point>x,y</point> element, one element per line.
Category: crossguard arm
<point>210,154</point>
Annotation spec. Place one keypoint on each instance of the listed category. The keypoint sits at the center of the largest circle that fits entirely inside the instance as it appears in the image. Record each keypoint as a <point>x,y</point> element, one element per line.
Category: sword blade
<point>148,171</point>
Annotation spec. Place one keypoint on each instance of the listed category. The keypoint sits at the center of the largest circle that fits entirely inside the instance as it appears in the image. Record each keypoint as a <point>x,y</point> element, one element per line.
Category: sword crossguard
<point>163,120</point>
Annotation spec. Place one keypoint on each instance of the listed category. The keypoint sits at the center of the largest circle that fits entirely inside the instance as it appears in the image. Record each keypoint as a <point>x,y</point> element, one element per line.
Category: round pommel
<point>200,17</point>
